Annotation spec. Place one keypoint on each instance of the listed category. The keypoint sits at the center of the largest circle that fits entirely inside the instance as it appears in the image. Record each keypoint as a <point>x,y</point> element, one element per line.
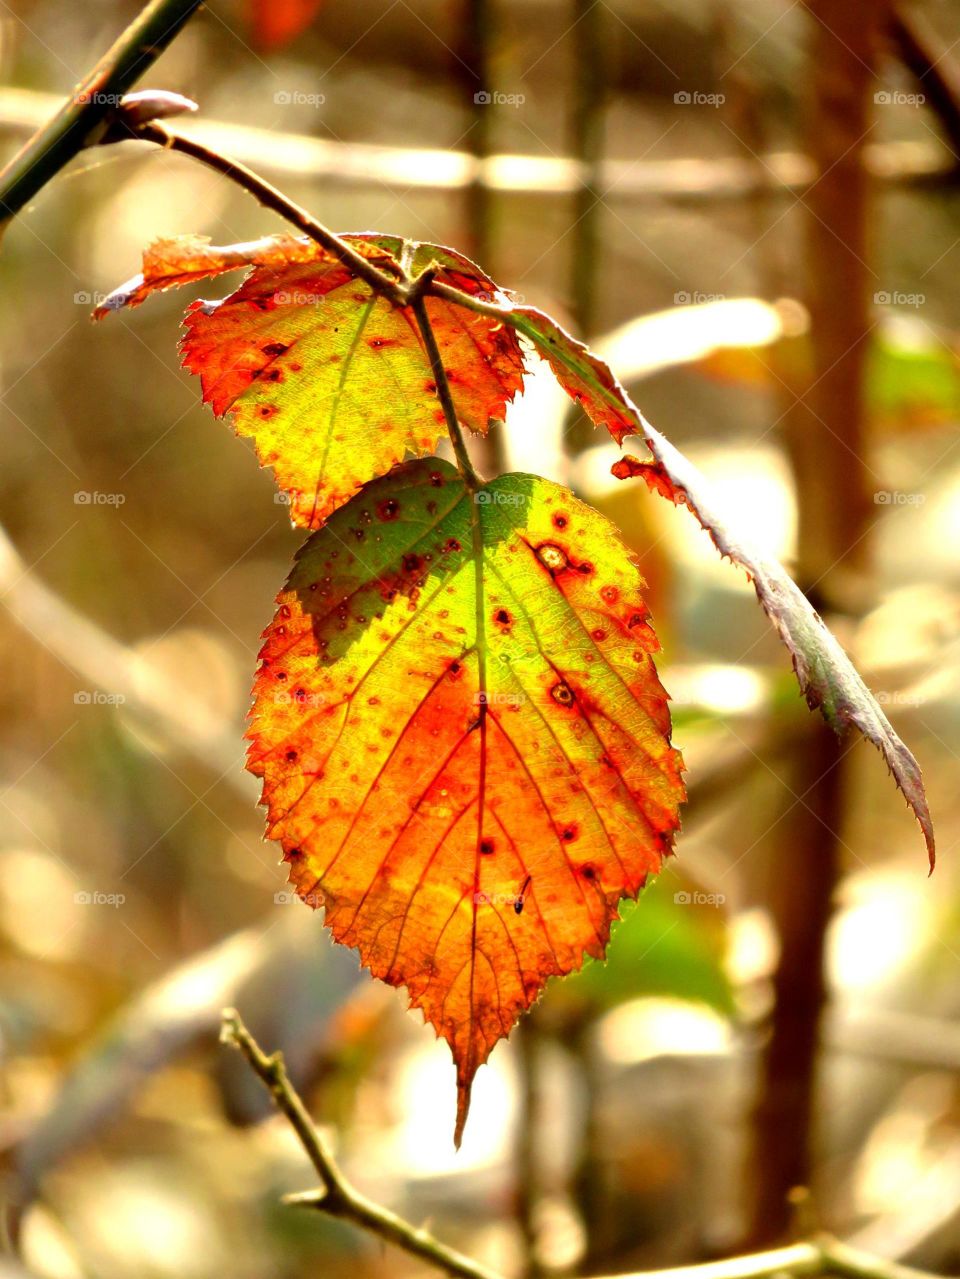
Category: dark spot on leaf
<point>560,520</point>
<point>589,872</point>
<point>503,617</point>
<point>291,756</point>
<point>599,634</point>
<point>570,833</point>
<point>486,846</point>
<point>389,509</point>
<point>562,693</point>
<point>436,479</point>
<point>610,594</point>
<point>276,348</point>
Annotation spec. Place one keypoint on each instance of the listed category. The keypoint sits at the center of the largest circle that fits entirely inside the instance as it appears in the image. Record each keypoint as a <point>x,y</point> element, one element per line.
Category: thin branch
<point>278,203</point>
<point>471,478</point>
<point>930,63</point>
<point>337,1197</point>
<point>94,100</point>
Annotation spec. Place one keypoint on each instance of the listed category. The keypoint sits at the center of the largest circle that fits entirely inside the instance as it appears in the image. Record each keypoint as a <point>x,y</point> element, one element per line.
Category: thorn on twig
<point>308,1199</point>
<point>137,109</point>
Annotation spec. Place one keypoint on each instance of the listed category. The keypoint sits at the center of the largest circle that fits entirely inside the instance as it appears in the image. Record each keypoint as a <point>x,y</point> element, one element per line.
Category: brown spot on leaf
<point>388,509</point>
<point>562,694</point>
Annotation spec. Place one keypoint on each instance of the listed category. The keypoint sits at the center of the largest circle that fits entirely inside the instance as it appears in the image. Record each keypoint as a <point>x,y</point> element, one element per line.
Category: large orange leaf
<point>463,741</point>
<point>331,382</point>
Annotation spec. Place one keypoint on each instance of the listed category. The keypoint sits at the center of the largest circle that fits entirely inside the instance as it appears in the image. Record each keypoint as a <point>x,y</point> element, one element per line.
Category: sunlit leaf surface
<point>463,741</point>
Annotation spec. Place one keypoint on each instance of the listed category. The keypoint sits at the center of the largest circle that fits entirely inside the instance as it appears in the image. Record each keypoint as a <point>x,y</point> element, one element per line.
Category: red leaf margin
<point>828,679</point>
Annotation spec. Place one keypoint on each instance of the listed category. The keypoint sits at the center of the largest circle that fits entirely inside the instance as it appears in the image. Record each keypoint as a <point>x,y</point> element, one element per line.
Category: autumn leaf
<point>827,677</point>
<point>274,23</point>
<point>331,382</point>
<point>463,741</point>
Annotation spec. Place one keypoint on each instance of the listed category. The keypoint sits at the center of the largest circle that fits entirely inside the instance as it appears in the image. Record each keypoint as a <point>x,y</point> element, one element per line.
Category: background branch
<point>95,99</point>
<point>337,1197</point>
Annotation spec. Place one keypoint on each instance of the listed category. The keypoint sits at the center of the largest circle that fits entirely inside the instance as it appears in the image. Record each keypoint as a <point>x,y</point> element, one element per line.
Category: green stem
<point>472,480</point>
<point>92,102</point>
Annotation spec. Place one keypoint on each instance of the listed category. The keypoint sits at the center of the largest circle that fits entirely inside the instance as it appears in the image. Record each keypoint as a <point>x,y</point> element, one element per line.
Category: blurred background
<point>752,208</point>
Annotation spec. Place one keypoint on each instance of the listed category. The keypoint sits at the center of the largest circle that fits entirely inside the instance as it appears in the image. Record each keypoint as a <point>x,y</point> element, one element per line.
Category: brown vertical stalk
<point>528,1181</point>
<point>825,433</point>
<point>587,144</point>
<point>476,78</point>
